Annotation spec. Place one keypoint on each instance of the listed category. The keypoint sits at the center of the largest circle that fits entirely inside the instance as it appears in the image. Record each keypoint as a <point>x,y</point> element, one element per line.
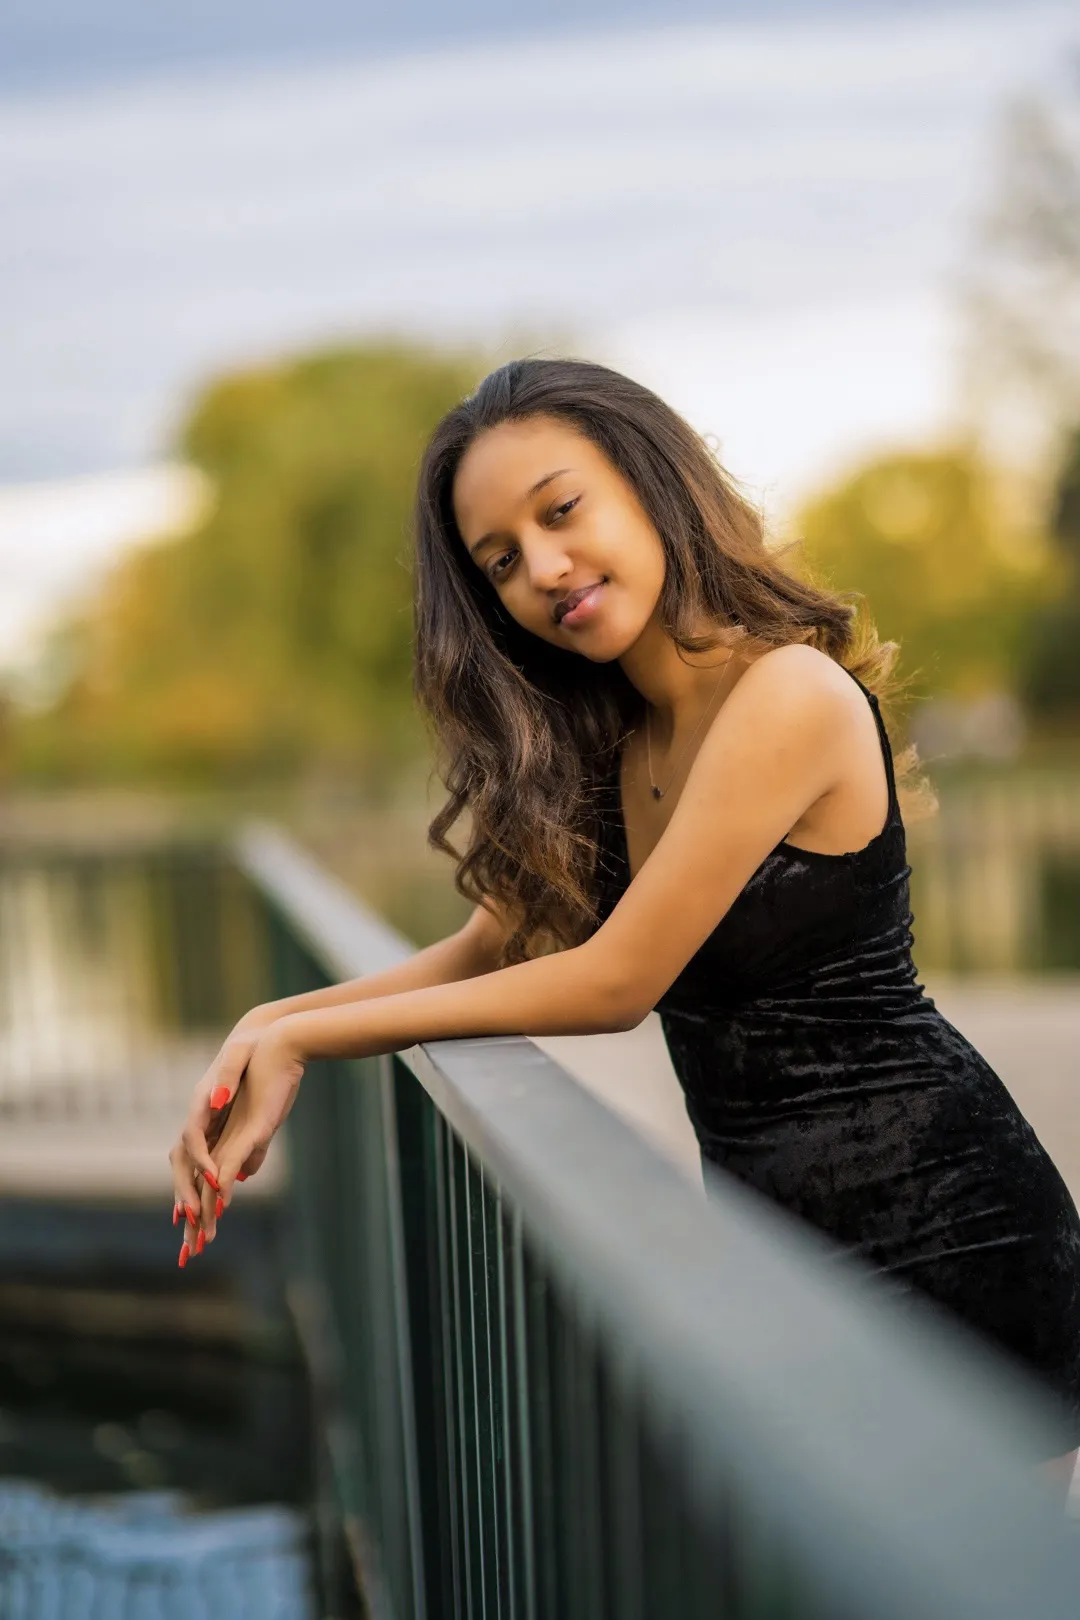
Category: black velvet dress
<point>818,1070</point>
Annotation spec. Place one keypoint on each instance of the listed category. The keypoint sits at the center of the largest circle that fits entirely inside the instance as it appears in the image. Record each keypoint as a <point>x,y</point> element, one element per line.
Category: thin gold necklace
<point>658,793</point>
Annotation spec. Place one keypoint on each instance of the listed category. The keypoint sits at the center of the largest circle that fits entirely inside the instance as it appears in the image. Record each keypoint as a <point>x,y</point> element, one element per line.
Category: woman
<point>681,796</point>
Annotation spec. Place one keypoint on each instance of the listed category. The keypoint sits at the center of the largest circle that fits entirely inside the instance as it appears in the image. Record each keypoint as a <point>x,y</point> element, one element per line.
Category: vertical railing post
<point>402,1333</point>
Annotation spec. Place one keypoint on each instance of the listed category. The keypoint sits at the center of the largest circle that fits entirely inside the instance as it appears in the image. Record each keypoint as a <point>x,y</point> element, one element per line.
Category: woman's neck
<point>677,686</point>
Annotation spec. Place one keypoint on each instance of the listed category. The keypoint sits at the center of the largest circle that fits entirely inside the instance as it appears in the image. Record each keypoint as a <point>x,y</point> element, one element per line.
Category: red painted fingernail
<point>211,1179</point>
<point>175,1213</point>
<point>200,1241</point>
<point>219,1207</point>
<point>191,1214</point>
<point>184,1252</point>
<point>241,1175</point>
<point>219,1096</point>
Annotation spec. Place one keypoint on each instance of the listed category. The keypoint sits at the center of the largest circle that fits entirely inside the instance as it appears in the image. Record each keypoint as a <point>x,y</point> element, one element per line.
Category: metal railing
<point>553,1381</point>
<point>561,1385</point>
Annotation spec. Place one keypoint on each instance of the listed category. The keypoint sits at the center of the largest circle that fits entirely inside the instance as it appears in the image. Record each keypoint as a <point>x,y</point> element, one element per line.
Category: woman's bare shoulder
<point>799,674</point>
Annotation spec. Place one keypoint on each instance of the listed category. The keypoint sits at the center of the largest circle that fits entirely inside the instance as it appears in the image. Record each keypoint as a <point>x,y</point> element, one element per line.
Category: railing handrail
<point>927,1498</point>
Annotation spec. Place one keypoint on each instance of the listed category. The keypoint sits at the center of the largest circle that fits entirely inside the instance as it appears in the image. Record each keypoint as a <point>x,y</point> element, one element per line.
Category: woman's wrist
<point>258,1019</point>
<point>315,1033</point>
<point>285,1035</point>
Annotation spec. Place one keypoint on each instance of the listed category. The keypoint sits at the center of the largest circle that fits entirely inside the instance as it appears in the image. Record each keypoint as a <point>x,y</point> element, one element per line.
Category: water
<point>146,1554</point>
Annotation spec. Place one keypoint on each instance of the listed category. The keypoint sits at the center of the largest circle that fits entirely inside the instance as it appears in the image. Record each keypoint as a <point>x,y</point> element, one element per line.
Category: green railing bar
<point>402,1336</point>
<point>521,1380</point>
<point>496,1448</point>
<point>458,1363</point>
<point>442,1134</point>
<point>504,1317</point>
<point>476,1370</point>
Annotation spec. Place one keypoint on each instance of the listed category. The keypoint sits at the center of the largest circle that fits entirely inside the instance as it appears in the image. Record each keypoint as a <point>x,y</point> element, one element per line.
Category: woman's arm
<point>572,992</point>
<point>474,948</point>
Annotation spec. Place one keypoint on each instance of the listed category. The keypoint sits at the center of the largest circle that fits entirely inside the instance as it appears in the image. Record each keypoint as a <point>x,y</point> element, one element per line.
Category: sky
<point>760,211</point>
<point>50,43</point>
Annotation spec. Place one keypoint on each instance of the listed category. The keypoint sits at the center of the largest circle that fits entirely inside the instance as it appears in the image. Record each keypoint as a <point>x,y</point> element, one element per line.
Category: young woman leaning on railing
<point>681,795</point>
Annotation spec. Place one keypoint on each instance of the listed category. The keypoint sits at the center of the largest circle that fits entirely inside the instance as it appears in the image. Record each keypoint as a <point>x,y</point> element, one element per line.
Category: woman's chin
<point>598,642</point>
<point>605,649</point>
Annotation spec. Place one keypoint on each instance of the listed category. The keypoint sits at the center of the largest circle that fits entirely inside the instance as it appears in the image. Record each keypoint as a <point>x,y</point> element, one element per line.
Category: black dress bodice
<point>816,1069</point>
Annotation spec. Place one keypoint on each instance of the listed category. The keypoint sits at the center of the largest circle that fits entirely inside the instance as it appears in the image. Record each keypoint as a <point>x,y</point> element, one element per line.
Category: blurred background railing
<point>996,876</point>
<point>118,967</point>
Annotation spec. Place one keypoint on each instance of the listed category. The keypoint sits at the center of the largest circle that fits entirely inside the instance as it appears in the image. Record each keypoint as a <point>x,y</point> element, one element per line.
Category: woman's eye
<point>503,564</point>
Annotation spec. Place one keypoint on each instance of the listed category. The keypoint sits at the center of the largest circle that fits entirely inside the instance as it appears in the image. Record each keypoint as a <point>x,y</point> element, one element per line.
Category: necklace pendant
<point>657,793</point>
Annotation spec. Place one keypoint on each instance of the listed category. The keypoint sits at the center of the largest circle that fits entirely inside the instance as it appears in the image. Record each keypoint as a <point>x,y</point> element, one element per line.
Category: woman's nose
<point>547,563</point>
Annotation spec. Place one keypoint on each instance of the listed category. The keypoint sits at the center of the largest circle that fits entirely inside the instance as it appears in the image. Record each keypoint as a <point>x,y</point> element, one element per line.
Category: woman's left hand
<point>262,1102</point>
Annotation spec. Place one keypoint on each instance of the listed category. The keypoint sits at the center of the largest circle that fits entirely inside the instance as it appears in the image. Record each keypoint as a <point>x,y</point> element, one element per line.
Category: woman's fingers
<point>253,1162</point>
<point>196,1187</point>
<point>191,1227</point>
<point>238,1107</point>
<point>213,1205</point>
<point>210,1204</point>
<point>193,1201</point>
<point>207,1213</point>
<point>243,1149</point>
<point>234,1151</point>
<point>213,1202</point>
<point>196,1208</point>
<point>228,1069</point>
<point>270,1085</point>
<point>194,1140</point>
<point>186,1194</point>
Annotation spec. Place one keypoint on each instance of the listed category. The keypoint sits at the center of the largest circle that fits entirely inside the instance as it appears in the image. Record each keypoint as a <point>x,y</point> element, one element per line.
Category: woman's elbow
<point>621,1001</point>
<point>625,1021</point>
<point>630,1017</point>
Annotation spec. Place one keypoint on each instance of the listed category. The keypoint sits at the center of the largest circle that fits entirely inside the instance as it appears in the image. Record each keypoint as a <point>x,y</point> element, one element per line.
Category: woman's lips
<point>584,604</point>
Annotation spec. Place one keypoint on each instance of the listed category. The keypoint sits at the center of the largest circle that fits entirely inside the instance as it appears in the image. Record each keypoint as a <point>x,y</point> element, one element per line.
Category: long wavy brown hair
<point>527,733</point>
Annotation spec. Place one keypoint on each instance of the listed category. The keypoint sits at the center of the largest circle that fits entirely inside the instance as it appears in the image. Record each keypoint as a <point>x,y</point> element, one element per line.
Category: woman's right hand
<point>191,1156</point>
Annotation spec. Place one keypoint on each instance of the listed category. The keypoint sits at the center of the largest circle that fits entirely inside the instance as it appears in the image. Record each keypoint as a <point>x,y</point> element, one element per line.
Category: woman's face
<point>551,523</point>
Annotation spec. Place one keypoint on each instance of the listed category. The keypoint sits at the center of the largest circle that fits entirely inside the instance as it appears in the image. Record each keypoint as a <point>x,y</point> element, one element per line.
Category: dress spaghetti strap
<point>886,746</point>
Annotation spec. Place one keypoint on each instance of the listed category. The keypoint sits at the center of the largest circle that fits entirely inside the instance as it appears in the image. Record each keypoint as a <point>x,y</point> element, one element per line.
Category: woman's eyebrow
<point>529,493</point>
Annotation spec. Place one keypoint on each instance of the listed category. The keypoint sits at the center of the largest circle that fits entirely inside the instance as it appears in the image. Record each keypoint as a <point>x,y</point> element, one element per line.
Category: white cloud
<point>56,539</point>
<point>796,398</point>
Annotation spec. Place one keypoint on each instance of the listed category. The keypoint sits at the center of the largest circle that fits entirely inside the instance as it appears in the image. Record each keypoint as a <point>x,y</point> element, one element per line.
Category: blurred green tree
<point>1050,674</point>
<point>922,537</point>
<point>277,633</point>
